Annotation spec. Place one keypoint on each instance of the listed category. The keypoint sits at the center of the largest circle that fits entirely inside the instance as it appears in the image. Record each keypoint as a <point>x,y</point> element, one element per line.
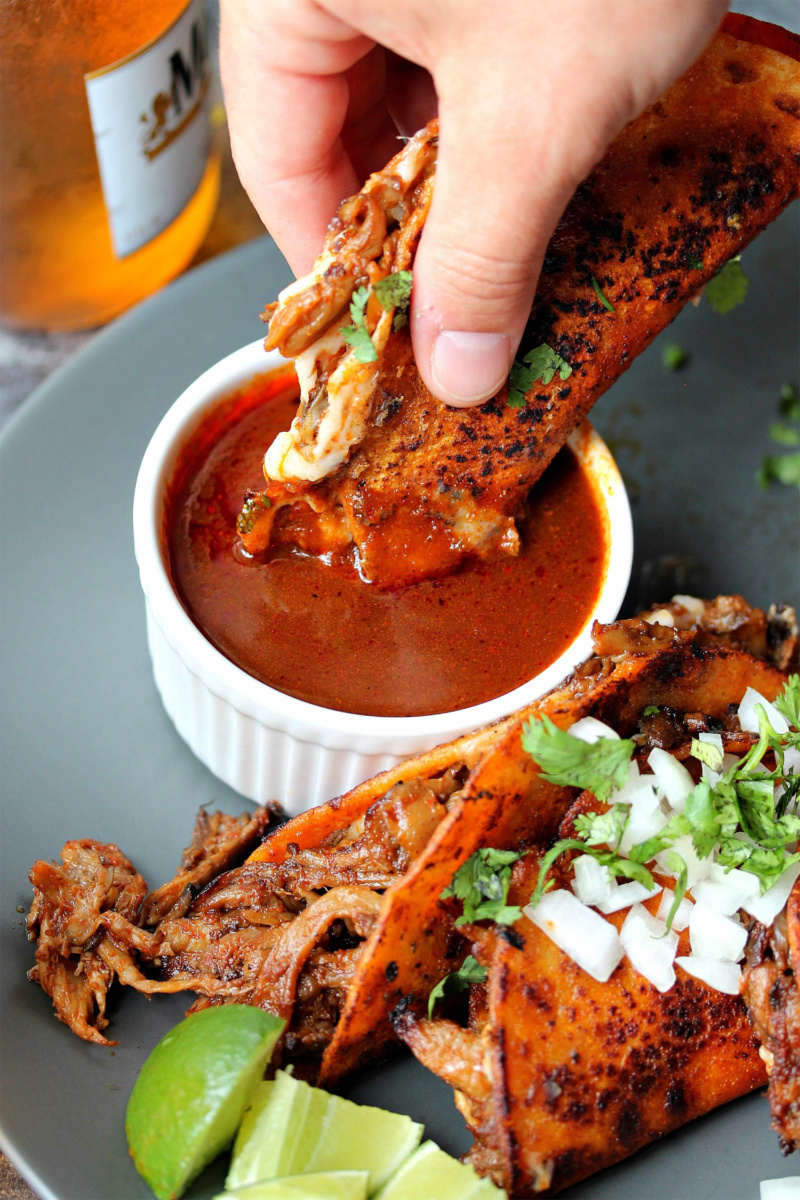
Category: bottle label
<point>151,131</point>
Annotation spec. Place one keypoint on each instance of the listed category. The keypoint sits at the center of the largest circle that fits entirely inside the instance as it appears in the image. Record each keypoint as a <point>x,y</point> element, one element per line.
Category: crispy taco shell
<point>417,485</point>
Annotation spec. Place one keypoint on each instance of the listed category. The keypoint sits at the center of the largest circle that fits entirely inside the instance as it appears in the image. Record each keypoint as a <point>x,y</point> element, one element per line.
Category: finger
<point>475,274</point>
<point>286,124</point>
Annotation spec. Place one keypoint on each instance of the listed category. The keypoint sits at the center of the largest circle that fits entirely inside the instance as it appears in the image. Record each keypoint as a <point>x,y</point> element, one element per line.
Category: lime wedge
<point>430,1174</point>
<point>328,1185</point>
<point>192,1090</point>
<point>295,1129</point>
<point>358,1136</point>
<point>268,1124</point>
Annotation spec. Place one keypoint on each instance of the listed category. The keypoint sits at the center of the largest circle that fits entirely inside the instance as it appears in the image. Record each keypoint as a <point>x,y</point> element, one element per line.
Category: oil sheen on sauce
<point>315,631</point>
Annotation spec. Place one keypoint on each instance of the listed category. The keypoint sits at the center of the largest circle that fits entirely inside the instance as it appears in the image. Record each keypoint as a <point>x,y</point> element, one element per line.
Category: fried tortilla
<point>335,917</point>
<point>373,460</point>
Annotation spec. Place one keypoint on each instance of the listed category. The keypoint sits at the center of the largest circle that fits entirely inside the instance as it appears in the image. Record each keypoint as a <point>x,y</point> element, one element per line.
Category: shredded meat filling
<point>284,936</point>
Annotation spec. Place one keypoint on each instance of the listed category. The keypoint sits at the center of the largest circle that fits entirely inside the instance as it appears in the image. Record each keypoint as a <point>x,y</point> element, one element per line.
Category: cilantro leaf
<point>394,291</point>
<point>481,884</point>
<point>356,335</point>
<point>538,364</point>
<point>783,468</point>
<point>253,507</point>
<point>674,357</point>
<point>678,865</point>
<point>789,403</point>
<point>652,710</point>
<point>784,435</point>
<point>469,972</point>
<point>728,288</point>
<point>603,829</point>
<point>788,702</point>
<point>542,885</point>
<point>695,263</point>
<point>702,818</point>
<point>604,300</point>
<point>564,760</point>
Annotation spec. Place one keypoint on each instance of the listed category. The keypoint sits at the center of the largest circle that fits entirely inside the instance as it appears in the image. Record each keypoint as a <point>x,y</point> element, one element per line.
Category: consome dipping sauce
<point>313,629</point>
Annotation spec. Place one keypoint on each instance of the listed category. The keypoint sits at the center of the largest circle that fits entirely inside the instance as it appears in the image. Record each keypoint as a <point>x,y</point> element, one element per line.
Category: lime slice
<point>430,1174</point>
<point>358,1136</point>
<point>295,1128</point>
<point>192,1090</point>
<point>328,1185</point>
<point>269,1131</point>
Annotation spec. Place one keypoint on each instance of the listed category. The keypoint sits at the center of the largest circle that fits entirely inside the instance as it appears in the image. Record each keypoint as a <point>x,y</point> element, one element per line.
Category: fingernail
<point>468,368</point>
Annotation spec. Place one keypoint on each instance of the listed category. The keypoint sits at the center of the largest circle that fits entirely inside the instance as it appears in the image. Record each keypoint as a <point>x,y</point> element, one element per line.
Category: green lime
<point>430,1174</point>
<point>192,1090</point>
<point>359,1136</point>
<point>269,1131</point>
<point>327,1185</point>
<point>293,1128</point>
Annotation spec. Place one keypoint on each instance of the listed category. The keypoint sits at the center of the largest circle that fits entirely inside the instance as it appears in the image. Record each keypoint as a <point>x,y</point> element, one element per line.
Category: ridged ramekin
<point>268,745</point>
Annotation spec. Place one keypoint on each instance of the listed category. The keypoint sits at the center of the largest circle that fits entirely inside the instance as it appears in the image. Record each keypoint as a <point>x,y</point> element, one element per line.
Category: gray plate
<point>88,751</point>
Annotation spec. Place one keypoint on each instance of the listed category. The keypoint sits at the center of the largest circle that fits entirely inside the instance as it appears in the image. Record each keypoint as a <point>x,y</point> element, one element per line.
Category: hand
<point>529,94</point>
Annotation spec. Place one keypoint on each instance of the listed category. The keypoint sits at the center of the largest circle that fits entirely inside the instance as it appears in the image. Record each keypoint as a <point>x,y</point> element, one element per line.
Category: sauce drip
<point>314,630</point>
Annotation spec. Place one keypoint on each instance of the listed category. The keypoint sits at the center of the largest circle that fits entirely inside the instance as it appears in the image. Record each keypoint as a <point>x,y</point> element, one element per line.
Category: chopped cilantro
<point>737,818</point>
<point>782,468</point>
<point>784,435</point>
<point>469,972</point>
<point>565,760</point>
<point>482,883</point>
<point>652,710</point>
<point>674,357</point>
<point>356,335</point>
<point>676,864</point>
<point>538,364</point>
<point>604,300</point>
<point>394,291</point>
<point>252,509</point>
<point>788,702</point>
<point>695,263</point>
<point>728,288</point>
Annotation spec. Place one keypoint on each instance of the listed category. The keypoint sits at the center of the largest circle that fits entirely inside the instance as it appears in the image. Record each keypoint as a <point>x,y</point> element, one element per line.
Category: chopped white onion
<point>791,760</point>
<point>781,1189</point>
<point>748,717</point>
<point>645,821</point>
<point>589,940</point>
<point>631,785</point>
<point>693,606</point>
<point>625,894</point>
<point>590,730</point>
<point>639,922</point>
<point>681,919</point>
<point>725,894</point>
<point>672,777</point>
<point>592,883</point>
<point>713,935</point>
<point>696,868</point>
<point>722,976</point>
<point>650,949</point>
<point>766,908</point>
<point>662,616</point>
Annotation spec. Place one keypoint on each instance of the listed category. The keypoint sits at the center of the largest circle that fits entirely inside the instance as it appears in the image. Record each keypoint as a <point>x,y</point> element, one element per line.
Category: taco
<point>373,460</point>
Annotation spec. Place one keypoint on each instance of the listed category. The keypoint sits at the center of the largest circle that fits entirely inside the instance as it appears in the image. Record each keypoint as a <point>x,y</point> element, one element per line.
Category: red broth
<point>314,630</point>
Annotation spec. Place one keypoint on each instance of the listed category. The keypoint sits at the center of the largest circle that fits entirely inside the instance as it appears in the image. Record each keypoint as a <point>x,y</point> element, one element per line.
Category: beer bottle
<point>108,181</point>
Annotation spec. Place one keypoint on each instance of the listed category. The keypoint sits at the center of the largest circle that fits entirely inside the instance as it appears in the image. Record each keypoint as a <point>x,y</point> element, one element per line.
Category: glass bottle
<point>108,181</point>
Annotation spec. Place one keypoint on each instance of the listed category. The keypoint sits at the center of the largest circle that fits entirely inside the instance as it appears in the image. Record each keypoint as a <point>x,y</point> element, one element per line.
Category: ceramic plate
<point>89,752</point>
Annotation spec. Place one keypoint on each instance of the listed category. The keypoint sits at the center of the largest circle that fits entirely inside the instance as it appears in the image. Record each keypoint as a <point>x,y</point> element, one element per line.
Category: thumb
<point>500,189</point>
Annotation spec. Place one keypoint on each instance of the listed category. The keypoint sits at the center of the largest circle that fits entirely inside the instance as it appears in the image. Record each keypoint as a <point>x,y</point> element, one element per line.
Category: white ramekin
<point>268,745</point>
